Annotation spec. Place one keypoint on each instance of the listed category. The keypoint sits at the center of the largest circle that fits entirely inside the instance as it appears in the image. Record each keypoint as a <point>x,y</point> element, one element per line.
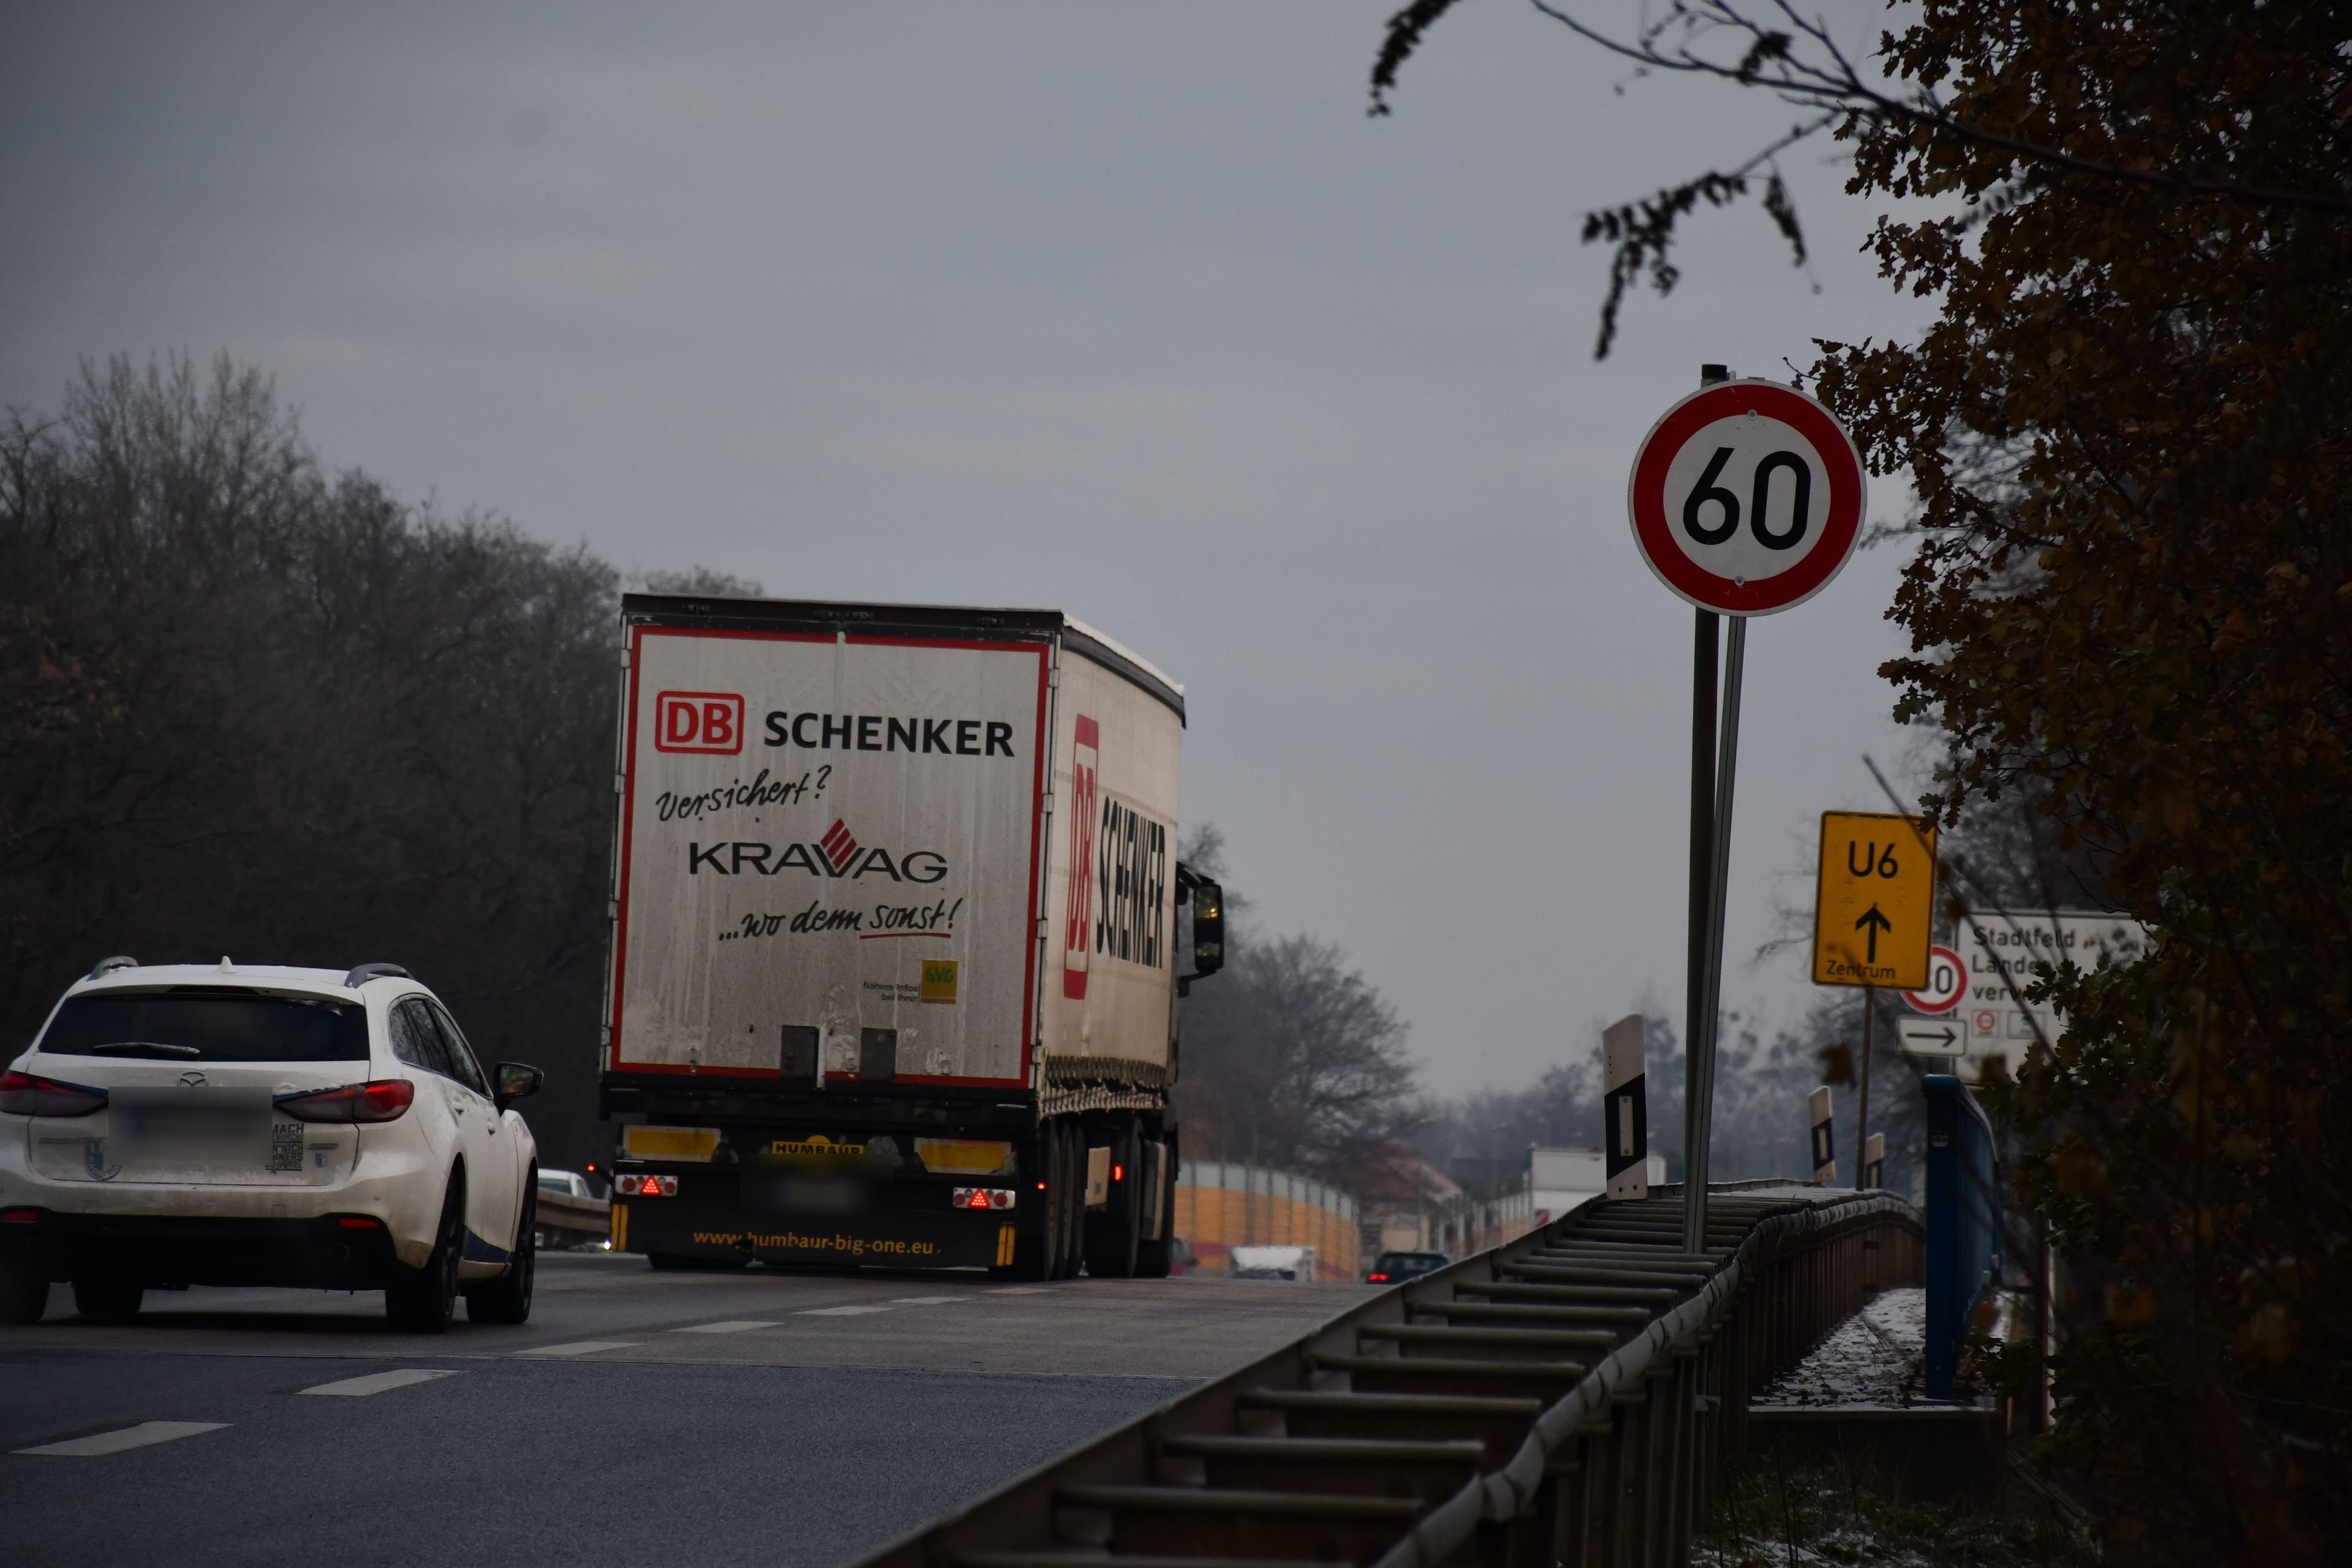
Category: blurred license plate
<point>195,1127</point>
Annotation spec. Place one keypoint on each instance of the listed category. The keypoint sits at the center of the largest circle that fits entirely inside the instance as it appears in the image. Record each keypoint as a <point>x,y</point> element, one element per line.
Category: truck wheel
<point>1074,1198</point>
<point>507,1299</point>
<point>106,1301</point>
<point>1033,1255</point>
<point>24,1290</point>
<point>1057,1200</point>
<point>423,1300</point>
<point>1112,1233</point>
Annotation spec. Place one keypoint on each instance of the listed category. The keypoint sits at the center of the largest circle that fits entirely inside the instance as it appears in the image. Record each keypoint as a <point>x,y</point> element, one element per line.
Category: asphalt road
<point>752,1417</point>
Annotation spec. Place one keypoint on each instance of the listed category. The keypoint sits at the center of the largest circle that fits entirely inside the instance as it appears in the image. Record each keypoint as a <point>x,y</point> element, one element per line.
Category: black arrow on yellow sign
<point>1874,922</point>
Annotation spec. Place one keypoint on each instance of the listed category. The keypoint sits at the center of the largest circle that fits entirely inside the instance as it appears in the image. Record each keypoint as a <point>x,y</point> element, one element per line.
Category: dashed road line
<point>379,1382</point>
<point>839,1312</point>
<point>1018,1291</point>
<point>115,1442</point>
<point>920,1301</point>
<point>733,1326</point>
<point>579,1347</point>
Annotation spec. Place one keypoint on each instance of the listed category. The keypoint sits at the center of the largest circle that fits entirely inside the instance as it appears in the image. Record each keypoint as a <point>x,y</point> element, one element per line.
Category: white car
<point>199,1125</point>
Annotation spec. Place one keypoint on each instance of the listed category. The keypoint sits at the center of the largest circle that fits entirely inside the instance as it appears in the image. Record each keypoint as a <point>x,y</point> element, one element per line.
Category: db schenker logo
<point>707,721</point>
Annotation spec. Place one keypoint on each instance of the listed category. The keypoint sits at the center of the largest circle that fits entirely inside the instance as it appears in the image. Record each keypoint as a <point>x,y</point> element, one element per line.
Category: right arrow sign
<point>1931,1037</point>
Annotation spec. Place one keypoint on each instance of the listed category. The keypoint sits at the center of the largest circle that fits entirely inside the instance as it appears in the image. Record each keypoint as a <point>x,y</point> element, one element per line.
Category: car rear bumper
<point>331,1251</point>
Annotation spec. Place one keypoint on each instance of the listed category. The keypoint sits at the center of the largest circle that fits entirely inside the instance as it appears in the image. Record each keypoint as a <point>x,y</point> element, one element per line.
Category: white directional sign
<point>1747,498</point>
<point>1999,952</point>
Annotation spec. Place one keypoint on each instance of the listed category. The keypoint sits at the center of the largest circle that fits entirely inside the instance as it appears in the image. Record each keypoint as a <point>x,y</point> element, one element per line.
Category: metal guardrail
<point>1964,1223</point>
<point>1564,1399</point>
<point>564,1221</point>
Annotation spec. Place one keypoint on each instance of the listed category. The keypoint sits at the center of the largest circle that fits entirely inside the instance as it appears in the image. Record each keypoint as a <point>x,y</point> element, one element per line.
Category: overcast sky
<point>1127,310</point>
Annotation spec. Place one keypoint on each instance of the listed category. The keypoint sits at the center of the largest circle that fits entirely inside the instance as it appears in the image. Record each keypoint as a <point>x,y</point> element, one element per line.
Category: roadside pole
<point>1862,1117</point>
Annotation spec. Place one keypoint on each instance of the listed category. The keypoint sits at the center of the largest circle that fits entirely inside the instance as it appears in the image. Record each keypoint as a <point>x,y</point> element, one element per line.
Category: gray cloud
<point>1126,310</point>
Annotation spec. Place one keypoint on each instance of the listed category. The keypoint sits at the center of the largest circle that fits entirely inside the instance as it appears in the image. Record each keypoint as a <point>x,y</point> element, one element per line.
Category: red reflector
<point>979,1200</point>
<point>18,1217</point>
<point>360,1222</point>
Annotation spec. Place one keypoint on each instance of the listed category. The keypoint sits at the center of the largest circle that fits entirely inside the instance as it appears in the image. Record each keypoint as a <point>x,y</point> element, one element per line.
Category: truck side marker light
<point>646,1185</point>
<point>1119,1173</point>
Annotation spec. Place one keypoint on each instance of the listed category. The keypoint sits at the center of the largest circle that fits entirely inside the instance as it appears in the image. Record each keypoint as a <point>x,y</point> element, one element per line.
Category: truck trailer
<point>897,934</point>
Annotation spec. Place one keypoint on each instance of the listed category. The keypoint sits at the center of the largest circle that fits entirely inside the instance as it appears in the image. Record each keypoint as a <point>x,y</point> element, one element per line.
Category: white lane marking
<point>1017,1290</point>
<point>378,1381</point>
<point>839,1312</point>
<point>920,1301</point>
<point>579,1347</point>
<point>736,1327</point>
<point>137,1437</point>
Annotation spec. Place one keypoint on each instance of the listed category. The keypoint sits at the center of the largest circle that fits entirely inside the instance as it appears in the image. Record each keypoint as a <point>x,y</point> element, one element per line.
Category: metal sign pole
<point>1862,1118</point>
<point>1702,885</point>
<point>1726,766</point>
<point>1706,822</point>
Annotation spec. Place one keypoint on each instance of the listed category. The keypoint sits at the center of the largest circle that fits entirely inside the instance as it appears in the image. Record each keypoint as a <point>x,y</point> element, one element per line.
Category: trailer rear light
<point>983,1198</point>
<point>22,1094</point>
<point>383,1100</point>
<point>647,1186</point>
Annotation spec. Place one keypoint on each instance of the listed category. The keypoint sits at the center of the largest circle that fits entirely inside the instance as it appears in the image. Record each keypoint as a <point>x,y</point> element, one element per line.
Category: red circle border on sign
<point>1646,491</point>
<point>1910,999</point>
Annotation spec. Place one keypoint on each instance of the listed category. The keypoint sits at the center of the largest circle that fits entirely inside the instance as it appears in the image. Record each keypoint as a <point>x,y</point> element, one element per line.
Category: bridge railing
<point>1566,1398</point>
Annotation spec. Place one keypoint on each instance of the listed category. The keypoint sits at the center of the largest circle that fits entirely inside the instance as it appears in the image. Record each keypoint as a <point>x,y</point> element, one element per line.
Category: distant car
<point>570,1184</point>
<point>228,1125</point>
<point>1395,1267</point>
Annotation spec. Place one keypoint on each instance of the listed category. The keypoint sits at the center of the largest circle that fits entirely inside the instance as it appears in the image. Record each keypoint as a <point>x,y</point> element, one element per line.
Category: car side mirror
<point>1208,900</point>
<point>516,1082</point>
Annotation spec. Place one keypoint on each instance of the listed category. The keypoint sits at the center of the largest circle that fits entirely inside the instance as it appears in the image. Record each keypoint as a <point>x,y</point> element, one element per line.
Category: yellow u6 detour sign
<point>1874,901</point>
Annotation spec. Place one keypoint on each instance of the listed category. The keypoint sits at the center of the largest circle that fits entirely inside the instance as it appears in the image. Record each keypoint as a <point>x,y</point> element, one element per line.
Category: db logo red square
<point>699,721</point>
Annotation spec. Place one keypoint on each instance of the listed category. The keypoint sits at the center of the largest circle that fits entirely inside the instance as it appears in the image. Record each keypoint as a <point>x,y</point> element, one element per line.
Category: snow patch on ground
<point>1874,1358</point>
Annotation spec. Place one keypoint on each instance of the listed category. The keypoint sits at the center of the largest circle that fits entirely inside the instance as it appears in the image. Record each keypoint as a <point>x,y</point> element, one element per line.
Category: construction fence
<point>1221,1206</point>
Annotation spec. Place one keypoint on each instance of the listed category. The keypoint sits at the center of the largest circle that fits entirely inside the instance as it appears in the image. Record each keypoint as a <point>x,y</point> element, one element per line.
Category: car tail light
<point>22,1094</point>
<point>1375,1279</point>
<point>983,1198</point>
<point>360,1222</point>
<point>383,1100</point>
<point>646,1185</point>
<point>19,1216</point>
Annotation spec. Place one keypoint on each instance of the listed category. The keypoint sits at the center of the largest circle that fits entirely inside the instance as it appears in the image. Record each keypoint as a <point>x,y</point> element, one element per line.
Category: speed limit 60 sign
<point>1747,498</point>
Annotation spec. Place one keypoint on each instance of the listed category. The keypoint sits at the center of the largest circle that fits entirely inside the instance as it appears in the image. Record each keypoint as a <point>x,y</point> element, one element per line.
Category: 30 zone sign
<point>699,721</point>
<point>1747,498</point>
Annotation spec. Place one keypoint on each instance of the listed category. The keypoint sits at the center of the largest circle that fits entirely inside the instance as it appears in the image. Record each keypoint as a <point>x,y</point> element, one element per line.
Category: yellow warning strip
<point>620,1227</point>
<point>1004,1245</point>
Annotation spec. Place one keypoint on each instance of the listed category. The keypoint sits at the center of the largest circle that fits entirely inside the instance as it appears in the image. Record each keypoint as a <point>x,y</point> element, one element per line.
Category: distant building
<point>1562,1178</point>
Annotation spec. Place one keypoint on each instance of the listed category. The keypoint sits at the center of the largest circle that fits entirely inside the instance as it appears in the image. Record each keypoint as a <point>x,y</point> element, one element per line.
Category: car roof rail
<point>362,973</point>
<point>108,966</point>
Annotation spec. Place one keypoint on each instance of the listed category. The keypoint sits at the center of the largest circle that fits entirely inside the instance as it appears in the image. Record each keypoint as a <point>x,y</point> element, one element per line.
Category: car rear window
<point>189,1023</point>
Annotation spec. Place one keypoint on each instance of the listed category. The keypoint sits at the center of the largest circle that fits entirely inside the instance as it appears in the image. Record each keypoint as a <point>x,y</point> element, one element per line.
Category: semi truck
<point>897,934</point>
